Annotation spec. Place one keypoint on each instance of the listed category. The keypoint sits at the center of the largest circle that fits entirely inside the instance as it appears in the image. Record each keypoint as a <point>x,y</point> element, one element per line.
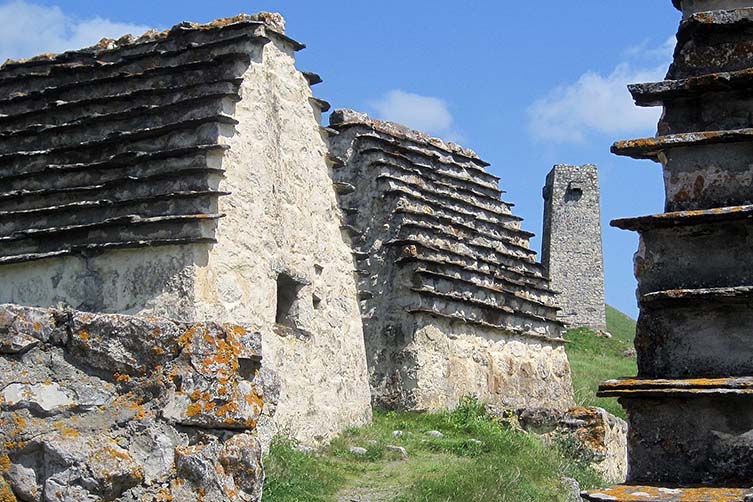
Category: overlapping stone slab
<point>442,261</point>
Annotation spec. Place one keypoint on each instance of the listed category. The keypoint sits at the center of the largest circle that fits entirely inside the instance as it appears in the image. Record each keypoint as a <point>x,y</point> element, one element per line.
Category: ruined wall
<point>114,407</point>
<point>571,251</point>
<point>452,298</point>
<point>245,185</point>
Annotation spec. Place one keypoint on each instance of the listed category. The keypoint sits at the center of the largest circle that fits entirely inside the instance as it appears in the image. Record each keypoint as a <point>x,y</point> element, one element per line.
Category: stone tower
<point>571,251</point>
<point>691,406</point>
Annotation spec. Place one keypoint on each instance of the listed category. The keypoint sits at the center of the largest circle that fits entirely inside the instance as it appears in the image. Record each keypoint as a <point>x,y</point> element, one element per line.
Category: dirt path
<point>383,484</point>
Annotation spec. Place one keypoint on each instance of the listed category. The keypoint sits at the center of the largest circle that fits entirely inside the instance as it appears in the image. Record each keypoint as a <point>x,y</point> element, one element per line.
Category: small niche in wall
<point>316,301</point>
<point>288,290</point>
<point>574,192</point>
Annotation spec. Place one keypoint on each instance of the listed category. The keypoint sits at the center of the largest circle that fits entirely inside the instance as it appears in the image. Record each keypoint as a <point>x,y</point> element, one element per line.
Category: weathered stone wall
<point>452,298</point>
<point>689,408</point>
<point>268,208</point>
<point>571,247</point>
<point>455,359</point>
<point>114,407</point>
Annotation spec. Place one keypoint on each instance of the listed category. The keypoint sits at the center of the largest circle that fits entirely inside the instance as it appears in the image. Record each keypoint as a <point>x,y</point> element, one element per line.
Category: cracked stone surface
<point>121,408</point>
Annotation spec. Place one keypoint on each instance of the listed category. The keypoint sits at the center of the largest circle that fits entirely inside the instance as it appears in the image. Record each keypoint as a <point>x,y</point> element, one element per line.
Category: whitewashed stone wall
<point>279,216</point>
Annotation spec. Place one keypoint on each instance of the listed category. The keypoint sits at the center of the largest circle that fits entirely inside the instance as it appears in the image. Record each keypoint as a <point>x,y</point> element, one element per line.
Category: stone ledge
<point>686,218</point>
<point>637,493</point>
<point>651,148</point>
<point>650,387</point>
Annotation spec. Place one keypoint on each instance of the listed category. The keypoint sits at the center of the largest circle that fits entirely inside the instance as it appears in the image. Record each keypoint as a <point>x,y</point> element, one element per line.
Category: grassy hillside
<point>477,459</point>
<point>595,359</point>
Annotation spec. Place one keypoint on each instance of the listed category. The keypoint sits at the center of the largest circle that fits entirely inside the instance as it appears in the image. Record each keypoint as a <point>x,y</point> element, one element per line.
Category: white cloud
<point>30,29</point>
<point>424,113</point>
<point>645,50</point>
<point>601,103</point>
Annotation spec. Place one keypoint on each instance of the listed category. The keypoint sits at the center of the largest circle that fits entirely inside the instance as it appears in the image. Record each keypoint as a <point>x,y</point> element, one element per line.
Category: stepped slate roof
<point>430,206</point>
<point>120,144</point>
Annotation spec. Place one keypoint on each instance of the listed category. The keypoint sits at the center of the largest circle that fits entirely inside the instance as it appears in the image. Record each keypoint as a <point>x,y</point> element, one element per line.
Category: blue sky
<point>525,84</point>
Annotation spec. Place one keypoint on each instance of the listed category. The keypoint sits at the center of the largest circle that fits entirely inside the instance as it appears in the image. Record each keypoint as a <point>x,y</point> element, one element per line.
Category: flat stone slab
<point>635,493</point>
<point>650,148</point>
<point>647,387</point>
<point>684,218</point>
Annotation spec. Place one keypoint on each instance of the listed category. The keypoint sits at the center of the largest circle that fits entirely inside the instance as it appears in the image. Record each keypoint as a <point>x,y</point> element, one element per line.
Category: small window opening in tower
<point>287,300</point>
<point>574,192</point>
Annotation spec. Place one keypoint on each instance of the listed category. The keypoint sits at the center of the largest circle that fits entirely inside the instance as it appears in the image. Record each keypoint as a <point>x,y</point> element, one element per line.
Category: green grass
<point>509,465</point>
<point>595,359</point>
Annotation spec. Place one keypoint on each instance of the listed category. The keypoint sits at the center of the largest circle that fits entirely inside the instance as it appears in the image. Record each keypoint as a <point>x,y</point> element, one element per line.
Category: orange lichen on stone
<point>164,495</point>
<point>238,330</point>
<point>4,463</point>
<point>193,409</point>
<point>227,408</point>
<point>83,334</point>
<point>65,430</point>
<point>121,377</point>
<point>633,493</point>
<point>253,398</point>
<point>6,494</point>
<point>185,339</point>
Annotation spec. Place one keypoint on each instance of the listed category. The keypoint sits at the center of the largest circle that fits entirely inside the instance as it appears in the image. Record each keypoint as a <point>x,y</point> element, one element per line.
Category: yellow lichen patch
<point>158,351</point>
<point>6,494</point>
<point>19,421</point>
<point>36,325</point>
<point>83,334</point>
<point>4,463</point>
<point>163,495</point>
<point>116,453</point>
<point>14,445</point>
<point>65,430</point>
